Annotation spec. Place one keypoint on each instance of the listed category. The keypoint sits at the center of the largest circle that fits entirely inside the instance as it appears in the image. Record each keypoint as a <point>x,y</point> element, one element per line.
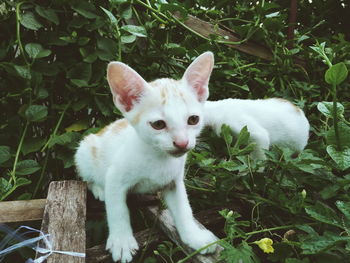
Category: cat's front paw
<point>200,238</point>
<point>122,248</point>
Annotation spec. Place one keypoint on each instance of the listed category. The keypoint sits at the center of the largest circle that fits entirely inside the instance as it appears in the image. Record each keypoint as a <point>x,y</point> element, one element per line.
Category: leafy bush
<point>53,56</point>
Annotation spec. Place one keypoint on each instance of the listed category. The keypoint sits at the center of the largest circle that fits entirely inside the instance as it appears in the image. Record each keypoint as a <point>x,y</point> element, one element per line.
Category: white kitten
<point>146,151</point>
<point>271,121</point>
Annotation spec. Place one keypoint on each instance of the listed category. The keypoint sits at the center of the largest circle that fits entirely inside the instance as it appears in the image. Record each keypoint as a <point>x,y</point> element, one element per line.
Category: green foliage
<point>53,91</point>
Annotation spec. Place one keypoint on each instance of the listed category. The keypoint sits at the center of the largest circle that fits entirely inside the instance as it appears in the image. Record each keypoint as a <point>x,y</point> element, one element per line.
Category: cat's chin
<point>178,153</point>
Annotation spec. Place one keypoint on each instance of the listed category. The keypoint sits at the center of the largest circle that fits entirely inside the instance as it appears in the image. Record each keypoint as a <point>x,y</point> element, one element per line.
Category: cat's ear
<point>127,86</point>
<point>198,73</point>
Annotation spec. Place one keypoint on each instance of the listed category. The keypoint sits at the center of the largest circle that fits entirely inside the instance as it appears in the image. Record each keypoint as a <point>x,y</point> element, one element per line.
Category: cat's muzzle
<point>178,152</point>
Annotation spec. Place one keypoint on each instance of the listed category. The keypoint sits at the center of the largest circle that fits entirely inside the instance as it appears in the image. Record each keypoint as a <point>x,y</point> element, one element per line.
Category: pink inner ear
<point>127,100</point>
<point>199,82</point>
<point>201,91</point>
<point>198,73</point>
<point>126,85</point>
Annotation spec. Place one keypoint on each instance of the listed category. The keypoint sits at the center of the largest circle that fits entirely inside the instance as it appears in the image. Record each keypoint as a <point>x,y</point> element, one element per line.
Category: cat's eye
<point>158,125</point>
<point>193,120</point>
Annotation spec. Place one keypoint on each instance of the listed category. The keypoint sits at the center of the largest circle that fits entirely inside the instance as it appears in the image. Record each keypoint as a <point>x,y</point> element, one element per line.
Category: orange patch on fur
<point>102,131</point>
<point>94,152</point>
<point>287,101</point>
<point>115,126</point>
<point>119,125</point>
<point>137,118</point>
<point>164,95</point>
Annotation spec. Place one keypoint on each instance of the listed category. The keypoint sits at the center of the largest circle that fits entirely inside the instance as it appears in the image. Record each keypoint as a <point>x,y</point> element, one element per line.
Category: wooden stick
<point>166,223</point>
<point>206,29</point>
<point>64,219</point>
<point>24,210</point>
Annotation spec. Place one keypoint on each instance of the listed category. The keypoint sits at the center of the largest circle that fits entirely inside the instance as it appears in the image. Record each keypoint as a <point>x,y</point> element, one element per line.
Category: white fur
<point>130,155</point>
<point>270,121</point>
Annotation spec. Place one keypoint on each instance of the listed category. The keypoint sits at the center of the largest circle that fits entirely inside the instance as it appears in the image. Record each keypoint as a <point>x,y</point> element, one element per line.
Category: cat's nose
<point>180,144</point>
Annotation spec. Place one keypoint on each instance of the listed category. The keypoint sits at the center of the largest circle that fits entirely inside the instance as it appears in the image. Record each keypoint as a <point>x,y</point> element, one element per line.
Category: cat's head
<point>166,113</point>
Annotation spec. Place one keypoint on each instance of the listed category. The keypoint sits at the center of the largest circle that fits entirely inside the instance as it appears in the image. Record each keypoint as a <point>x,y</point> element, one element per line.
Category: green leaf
<point>35,113</point>
<point>85,9</point>
<point>336,74</point>
<point>77,126</point>
<point>126,13</point>
<point>47,13</point>
<point>344,207</point>
<point>36,50</point>
<point>341,158</point>
<point>4,154</point>
<point>274,14</point>
<point>65,139</point>
<point>118,1</point>
<point>23,71</point>
<point>33,49</point>
<point>66,157</point>
<point>4,186</point>
<point>111,17</point>
<point>241,253</point>
<point>317,244</point>
<point>128,39</point>
<point>105,108</point>
<point>22,181</point>
<point>32,145</point>
<point>226,133</point>
<point>175,49</point>
<point>26,167</point>
<point>172,8</point>
<point>326,108</point>
<point>138,31</point>
<point>295,260</point>
<point>29,21</point>
<point>324,214</point>
<point>243,137</point>
<point>107,49</point>
<point>344,135</point>
<point>80,74</point>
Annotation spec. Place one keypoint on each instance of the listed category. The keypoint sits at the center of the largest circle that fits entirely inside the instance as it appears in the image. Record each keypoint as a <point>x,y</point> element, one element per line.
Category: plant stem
<point>41,174</point>
<point>335,117</point>
<point>156,13</point>
<point>8,192</point>
<point>199,250</point>
<point>56,128</point>
<point>18,32</point>
<point>119,42</point>
<point>199,188</point>
<point>13,172</point>
<point>272,229</point>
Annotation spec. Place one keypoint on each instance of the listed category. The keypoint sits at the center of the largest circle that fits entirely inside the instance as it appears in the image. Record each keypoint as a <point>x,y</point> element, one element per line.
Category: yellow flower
<point>265,245</point>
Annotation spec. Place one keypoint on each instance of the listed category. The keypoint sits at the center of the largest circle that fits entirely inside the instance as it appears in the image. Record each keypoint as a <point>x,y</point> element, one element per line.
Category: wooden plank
<point>99,253</point>
<point>23,210</point>
<point>206,29</point>
<point>166,223</point>
<point>64,219</point>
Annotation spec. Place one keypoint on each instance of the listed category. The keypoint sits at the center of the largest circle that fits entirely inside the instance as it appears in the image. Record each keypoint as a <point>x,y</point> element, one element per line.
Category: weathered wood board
<point>21,211</point>
<point>64,219</point>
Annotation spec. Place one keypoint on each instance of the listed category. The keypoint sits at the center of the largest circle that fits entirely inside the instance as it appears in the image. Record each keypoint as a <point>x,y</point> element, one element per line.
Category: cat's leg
<point>121,242</point>
<point>189,231</point>
<point>97,190</point>
<point>260,136</point>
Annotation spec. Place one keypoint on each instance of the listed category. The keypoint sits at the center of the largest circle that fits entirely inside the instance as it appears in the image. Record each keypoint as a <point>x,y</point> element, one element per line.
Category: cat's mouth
<point>178,152</point>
